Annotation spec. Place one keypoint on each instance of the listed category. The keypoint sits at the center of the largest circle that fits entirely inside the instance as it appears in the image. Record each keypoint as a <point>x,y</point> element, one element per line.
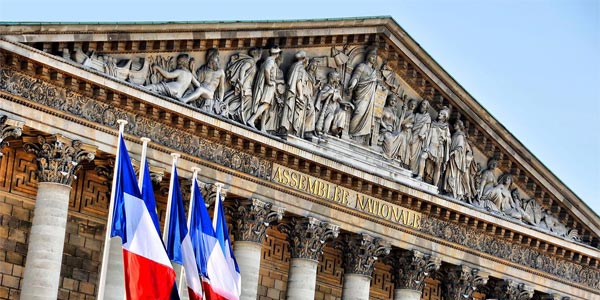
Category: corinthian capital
<point>9,128</point>
<point>209,192</point>
<point>511,290</point>
<point>307,236</point>
<point>461,281</point>
<point>252,218</point>
<point>413,267</point>
<point>361,252</point>
<point>58,158</point>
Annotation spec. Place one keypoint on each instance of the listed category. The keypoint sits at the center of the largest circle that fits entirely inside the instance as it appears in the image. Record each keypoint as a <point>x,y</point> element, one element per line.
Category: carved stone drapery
<point>510,290</point>
<point>307,236</point>
<point>252,218</point>
<point>460,282</point>
<point>9,128</point>
<point>413,267</point>
<point>361,252</point>
<point>58,158</point>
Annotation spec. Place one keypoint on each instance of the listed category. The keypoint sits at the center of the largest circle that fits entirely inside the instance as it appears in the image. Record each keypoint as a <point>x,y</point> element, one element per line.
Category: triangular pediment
<point>205,78</point>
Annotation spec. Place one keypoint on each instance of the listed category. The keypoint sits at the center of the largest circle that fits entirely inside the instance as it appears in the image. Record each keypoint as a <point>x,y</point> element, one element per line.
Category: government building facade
<point>353,166</point>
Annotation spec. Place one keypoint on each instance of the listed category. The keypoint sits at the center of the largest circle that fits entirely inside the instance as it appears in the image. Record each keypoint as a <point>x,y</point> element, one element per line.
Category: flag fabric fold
<point>217,279</point>
<point>179,245</point>
<point>148,271</point>
<point>222,234</point>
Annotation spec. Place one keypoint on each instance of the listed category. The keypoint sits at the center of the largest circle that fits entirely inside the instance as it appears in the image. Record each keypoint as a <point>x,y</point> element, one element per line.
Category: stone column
<point>9,128</point>
<point>306,236</point>
<point>412,267</point>
<point>58,159</point>
<point>360,253</point>
<point>554,296</point>
<point>511,290</point>
<point>251,218</point>
<point>460,282</point>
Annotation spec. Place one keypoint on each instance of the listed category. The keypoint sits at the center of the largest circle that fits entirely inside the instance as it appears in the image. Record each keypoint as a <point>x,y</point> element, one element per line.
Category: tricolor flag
<point>222,234</point>
<point>218,283</point>
<point>179,245</point>
<point>148,271</point>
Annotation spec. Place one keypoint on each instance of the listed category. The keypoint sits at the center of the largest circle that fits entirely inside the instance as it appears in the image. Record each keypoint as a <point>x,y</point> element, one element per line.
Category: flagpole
<point>168,214</point>
<point>105,251</point>
<point>145,141</point>
<point>216,210</point>
<point>189,220</point>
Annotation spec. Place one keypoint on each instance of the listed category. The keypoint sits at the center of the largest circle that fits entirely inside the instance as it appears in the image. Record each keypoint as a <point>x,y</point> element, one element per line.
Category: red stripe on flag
<point>193,295</point>
<point>209,294</point>
<point>147,279</point>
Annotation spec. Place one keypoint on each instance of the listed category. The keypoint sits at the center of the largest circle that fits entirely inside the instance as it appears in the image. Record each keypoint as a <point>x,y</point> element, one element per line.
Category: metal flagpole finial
<point>144,139</point>
<point>175,155</point>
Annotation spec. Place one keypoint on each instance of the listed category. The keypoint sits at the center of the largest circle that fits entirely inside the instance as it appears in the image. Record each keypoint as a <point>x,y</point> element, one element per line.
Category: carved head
<point>392,100</point>
<point>459,126</point>
<point>212,58</point>
<point>515,194</point>
<point>255,52</point>
<point>443,114</point>
<point>423,106</point>
<point>372,56</point>
<point>275,50</point>
<point>506,180</point>
<point>412,104</point>
<point>183,60</point>
<point>492,164</point>
<point>313,64</point>
<point>333,77</point>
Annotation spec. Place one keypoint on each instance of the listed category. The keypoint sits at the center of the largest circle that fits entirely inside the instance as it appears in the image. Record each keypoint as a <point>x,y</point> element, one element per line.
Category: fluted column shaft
<point>248,255</point>
<point>57,160</point>
<point>407,294</point>
<point>356,287</point>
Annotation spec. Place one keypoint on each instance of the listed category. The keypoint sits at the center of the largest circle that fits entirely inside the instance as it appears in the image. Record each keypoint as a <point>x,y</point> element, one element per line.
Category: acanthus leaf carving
<point>459,282</point>
<point>361,251</point>
<point>307,236</point>
<point>58,158</point>
<point>252,217</point>
<point>9,128</point>
<point>412,268</point>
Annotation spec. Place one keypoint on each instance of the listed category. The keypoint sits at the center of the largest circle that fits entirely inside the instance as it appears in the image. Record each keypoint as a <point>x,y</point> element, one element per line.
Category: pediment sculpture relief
<point>351,95</point>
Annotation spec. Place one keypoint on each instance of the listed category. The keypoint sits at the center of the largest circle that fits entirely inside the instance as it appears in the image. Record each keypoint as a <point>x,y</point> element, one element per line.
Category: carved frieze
<point>307,236</point>
<point>361,251</point>
<point>9,128</point>
<point>516,253</point>
<point>252,217</point>
<point>66,100</point>
<point>58,158</point>
<point>508,289</point>
<point>459,282</point>
<point>413,267</point>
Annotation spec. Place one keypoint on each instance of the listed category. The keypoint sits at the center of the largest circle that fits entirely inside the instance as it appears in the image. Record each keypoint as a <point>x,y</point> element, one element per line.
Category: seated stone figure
<point>211,79</point>
<point>178,80</point>
<point>332,109</point>
<point>499,199</point>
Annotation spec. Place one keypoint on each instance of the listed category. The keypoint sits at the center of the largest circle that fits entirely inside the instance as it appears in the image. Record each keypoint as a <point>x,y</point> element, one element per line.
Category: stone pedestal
<point>248,257</point>
<point>302,279</point>
<point>356,287</point>
<point>46,240</point>
<point>407,294</point>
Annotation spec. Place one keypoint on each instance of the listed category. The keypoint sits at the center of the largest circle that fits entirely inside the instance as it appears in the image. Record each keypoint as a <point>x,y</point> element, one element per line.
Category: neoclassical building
<point>354,166</point>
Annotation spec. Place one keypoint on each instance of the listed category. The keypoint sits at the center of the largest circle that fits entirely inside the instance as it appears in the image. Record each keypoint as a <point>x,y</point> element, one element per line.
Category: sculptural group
<point>320,98</point>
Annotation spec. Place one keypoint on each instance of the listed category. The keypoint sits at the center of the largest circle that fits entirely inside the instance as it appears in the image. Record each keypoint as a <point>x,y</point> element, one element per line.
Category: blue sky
<point>533,64</point>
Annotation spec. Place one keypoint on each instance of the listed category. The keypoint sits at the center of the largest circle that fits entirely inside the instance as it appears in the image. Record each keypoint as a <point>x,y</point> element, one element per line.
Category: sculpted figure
<point>240,72</point>
<point>296,103</point>
<point>406,131</point>
<point>332,117</point>
<point>532,212</point>
<point>487,179</point>
<point>499,199</point>
<point>473,169</point>
<point>211,77</point>
<point>436,148</point>
<point>363,85</point>
<point>420,129</point>
<point>454,181</point>
<point>552,223</point>
<point>275,111</point>
<point>265,89</point>
<point>395,133</point>
<point>180,79</point>
<point>313,84</point>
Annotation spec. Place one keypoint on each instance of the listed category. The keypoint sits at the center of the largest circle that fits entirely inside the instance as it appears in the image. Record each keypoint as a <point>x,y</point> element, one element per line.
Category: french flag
<point>217,280</point>
<point>148,271</point>
<point>179,245</point>
<point>222,234</point>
